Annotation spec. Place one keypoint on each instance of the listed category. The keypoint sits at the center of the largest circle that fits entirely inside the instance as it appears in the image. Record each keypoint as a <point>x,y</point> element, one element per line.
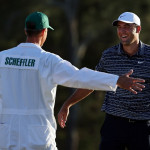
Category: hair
<point>31,29</point>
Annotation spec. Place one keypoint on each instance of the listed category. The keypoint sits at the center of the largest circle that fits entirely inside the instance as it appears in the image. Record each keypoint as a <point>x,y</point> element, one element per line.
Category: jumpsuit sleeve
<point>65,74</point>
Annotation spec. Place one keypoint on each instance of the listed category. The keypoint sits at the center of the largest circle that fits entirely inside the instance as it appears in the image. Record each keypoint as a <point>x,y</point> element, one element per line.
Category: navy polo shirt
<point>123,103</point>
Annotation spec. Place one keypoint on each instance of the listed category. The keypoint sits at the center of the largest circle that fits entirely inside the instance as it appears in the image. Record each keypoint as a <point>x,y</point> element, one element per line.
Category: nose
<point>122,30</point>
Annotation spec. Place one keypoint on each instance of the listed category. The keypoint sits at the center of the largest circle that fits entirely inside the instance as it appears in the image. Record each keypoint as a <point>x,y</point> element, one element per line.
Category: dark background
<point>83,30</point>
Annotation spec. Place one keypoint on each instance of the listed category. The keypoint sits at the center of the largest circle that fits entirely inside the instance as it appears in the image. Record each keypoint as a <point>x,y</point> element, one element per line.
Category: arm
<point>123,81</point>
<point>77,96</point>
<point>64,73</point>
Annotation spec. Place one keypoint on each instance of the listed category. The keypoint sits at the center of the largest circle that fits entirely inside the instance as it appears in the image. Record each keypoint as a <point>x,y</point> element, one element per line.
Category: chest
<point>121,64</point>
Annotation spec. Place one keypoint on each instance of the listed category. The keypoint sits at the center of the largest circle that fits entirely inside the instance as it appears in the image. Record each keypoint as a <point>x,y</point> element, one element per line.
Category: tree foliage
<point>83,30</point>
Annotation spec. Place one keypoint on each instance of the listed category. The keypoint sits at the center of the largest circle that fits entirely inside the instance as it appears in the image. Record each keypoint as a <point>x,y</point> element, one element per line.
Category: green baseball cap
<point>39,21</point>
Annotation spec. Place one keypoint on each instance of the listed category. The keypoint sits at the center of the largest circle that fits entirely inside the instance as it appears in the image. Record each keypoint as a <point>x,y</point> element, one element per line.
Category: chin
<point>125,42</point>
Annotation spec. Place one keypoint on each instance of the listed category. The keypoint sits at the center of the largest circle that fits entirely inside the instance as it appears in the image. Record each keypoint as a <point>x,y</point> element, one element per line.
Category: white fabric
<point>28,80</point>
<point>128,17</point>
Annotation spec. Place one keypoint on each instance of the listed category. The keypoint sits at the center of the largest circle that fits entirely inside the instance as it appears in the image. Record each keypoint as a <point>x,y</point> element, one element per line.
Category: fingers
<point>62,116</point>
<point>131,84</point>
<point>139,86</point>
<point>138,80</point>
<point>129,73</point>
<point>133,91</point>
<point>61,120</point>
<point>135,87</point>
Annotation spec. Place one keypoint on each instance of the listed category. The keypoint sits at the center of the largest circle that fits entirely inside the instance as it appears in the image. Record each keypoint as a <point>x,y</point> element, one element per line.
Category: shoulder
<point>111,51</point>
<point>50,58</point>
<point>146,46</point>
<point>46,54</point>
<point>7,51</point>
<point>145,49</point>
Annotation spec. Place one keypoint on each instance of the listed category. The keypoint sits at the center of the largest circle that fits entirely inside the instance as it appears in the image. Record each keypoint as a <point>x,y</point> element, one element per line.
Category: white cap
<point>128,17</point>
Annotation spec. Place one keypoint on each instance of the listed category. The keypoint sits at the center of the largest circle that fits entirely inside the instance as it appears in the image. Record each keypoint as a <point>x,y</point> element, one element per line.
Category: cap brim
<point>51,28</point>
<point>115,22</point>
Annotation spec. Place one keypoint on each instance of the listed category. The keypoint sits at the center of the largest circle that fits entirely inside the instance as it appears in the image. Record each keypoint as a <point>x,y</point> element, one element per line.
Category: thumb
<point>129,73</point>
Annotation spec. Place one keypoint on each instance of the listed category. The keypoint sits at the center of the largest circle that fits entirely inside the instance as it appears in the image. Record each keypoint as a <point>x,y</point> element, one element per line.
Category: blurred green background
<point>83,30</point>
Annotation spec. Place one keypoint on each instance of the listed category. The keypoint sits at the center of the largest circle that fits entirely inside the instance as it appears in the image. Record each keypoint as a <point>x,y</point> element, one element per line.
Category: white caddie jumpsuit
<point>28,80</point>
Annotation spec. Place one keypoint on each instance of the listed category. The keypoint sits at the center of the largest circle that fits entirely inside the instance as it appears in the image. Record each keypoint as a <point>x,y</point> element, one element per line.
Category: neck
<point>34,40</point>
<point>131,49</point>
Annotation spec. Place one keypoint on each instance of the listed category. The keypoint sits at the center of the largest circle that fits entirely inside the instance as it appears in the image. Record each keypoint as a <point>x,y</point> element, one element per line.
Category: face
<point>128,33</point>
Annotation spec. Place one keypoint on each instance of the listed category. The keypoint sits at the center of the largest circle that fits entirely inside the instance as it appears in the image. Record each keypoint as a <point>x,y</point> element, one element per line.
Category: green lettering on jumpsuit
<point>19,62</point>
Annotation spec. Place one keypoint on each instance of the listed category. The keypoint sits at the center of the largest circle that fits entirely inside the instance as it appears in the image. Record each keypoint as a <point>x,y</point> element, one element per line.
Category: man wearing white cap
<point>128,17</point>
<point>127,122</point>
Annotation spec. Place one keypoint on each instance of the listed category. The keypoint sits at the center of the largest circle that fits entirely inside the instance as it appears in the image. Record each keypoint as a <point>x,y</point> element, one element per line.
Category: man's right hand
<point>129,83</point>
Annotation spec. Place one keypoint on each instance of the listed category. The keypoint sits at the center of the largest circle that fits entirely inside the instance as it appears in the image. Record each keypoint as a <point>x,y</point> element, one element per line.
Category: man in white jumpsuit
<point>28,80</point>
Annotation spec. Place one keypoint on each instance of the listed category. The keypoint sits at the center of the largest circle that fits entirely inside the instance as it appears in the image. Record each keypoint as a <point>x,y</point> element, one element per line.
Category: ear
<point>43,31</point>
<point>25,31</point>
<point>138,29</point>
